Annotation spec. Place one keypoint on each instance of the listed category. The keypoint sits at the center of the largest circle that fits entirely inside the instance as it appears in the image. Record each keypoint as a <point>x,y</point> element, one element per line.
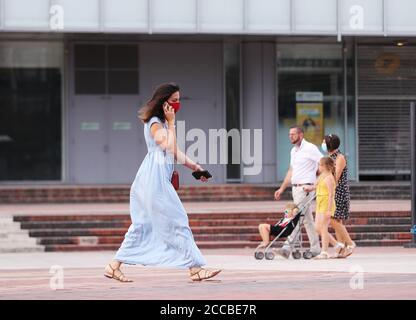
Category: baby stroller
<point>285,230</point>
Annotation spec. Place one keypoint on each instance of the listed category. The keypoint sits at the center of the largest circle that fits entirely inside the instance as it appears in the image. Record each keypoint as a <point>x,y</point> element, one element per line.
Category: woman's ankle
<point>194,269</point>
<point>351,244</point>
<point>115,264</point>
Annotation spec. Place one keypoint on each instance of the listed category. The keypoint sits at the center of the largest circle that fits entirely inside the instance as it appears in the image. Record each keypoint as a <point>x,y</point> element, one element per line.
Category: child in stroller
<point>293,215</point>
<point>266,230</point>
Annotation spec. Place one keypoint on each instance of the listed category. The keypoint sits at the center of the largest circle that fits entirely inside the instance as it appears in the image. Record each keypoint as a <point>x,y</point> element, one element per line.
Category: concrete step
<point>20,249</point>
<point>10,227</point>
<point>19,241</point>
<point>15,235</point>
<point>14,239</point>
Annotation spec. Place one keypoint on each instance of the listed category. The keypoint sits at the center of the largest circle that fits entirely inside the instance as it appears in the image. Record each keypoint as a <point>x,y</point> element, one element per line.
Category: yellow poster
<point>309,116</point>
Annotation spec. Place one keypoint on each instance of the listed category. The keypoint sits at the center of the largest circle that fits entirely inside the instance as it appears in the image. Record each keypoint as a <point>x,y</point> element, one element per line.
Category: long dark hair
<point>332,142</point>
<point>154,107</point>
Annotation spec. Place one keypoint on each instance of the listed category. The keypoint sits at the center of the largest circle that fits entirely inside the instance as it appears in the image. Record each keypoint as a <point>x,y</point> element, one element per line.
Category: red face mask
<point>175,105</point>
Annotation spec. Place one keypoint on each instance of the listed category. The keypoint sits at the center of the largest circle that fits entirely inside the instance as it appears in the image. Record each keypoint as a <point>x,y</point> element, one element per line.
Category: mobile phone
<point>198,174</point>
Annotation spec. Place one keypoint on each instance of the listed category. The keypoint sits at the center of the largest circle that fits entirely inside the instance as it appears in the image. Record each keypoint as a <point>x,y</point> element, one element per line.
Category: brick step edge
<point>201,216</point>
<point>45,233</point>
<point>82,241</point>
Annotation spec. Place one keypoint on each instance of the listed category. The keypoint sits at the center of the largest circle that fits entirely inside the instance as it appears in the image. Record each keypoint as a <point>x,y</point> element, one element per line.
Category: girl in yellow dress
<point>325,203</point>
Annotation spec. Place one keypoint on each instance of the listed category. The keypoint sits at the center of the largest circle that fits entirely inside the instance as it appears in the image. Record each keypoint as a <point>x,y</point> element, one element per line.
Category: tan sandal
<point>203,274</point>
<point>323,255</point>
<point>349,250</point>
<point>120,277</point>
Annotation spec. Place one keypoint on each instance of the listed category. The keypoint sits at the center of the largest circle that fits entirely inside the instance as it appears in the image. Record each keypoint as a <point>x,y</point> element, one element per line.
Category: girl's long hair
<point>154,107</point>
<point>329,164</point>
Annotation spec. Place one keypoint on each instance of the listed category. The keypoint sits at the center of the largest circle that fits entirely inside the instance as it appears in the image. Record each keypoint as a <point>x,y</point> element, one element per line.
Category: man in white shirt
<point>304,160</point>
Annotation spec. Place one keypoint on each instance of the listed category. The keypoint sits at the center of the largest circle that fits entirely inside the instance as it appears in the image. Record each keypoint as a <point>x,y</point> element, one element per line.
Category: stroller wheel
<point>269,255</point>
<point>307,255</point>
<point>296,255</point>
<point>259,255</point>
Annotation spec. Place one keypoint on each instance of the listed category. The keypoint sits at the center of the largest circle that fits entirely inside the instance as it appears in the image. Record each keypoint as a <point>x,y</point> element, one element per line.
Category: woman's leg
<point>338,234</point>
<point>340,229</point>
<point>264,230</point>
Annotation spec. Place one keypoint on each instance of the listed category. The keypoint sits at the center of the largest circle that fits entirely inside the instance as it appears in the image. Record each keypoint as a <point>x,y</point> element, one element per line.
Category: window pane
<point>232,100</point>
<point>122,56</point>
<point>90,56</point>
<point>123,82</point>
<point>89,82</point>
<point>310,87</point>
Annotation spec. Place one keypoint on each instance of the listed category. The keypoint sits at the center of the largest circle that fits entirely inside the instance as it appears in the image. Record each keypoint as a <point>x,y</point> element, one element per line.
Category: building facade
<point>73,75</point>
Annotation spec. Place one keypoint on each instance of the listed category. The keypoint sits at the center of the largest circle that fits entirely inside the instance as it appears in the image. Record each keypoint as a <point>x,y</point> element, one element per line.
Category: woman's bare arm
<point>340,164</point>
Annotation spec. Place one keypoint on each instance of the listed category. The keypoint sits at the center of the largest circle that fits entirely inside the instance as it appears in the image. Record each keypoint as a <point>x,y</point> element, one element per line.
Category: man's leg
<point>309,223</point>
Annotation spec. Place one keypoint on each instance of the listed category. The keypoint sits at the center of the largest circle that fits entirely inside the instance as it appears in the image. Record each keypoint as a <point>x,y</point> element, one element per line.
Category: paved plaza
<point>371,273</point>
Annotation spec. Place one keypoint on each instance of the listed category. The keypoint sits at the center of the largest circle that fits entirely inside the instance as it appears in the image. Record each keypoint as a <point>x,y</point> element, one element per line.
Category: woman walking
<point>159,234</point>
<point>330,145</point>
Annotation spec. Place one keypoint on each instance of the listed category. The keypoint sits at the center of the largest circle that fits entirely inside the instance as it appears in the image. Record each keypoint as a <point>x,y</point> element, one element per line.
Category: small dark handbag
<point>175,179</point>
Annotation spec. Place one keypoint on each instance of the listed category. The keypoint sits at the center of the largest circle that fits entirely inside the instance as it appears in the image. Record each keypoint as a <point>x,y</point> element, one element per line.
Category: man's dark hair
<point>299,129</point>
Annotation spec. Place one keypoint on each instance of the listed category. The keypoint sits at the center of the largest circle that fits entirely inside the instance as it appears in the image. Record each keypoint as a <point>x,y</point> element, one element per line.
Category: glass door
<point>312,93</point>
<point>30,111</point>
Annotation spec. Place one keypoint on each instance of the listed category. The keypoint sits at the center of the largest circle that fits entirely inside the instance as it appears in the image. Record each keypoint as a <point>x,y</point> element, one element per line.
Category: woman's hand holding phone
<point>199,168</point>
<point>169,113</point>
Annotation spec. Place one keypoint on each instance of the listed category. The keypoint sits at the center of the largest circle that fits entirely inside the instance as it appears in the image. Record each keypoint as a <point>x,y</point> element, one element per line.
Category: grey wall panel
<point>125,15</point>
<point>197,69</point>
<point>259,111</point>
<point>269,113</point>
<point>26,14</point>
<point>319,16</point>
<point>252,95</point>
<point>400,15</point>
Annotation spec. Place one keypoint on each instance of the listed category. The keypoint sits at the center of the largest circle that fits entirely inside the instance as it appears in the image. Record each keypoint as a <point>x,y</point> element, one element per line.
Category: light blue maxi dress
<point>159,234</point>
